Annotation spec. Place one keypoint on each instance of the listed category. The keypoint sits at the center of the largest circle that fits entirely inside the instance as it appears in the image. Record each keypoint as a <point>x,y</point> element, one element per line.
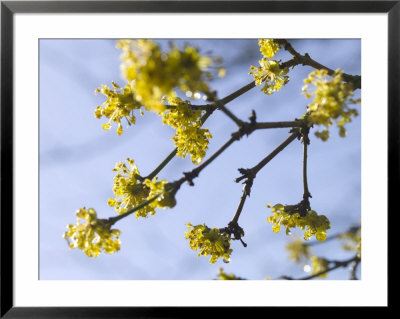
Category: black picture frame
<point>9,8</point>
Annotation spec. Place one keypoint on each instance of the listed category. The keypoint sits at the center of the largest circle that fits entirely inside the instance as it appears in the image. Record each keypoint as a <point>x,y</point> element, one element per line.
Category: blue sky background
<point>77,157</point>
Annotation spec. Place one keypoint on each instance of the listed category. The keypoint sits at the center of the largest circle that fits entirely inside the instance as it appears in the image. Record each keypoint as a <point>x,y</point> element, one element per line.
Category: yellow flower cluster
<point>192,140</point>
<point>209,241</point>
<point>92,235</point>
<point>164,190</point>
<point>298,250</point>
<point>352,240</point>
<point>268,47</point>
<point>130,191</point>
<point>330,104</point>
<point>319,265</point>
<point>270,72</point>
<point>313,223</point>
<point>180,113</point>
<point>154,73</point>
<point>120,104</point>
<point>224,276</point>
<point>189,137</point>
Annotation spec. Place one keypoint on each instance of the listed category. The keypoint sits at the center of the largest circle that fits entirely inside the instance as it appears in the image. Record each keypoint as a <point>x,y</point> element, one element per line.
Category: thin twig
<point>246,193</point>
<point>307,60</point>
<point>238,93</point>
<point>162,164</point>
<point>253,171</point>
<point>227,98</point>
<point>232,116</point>
<point>282,124</point>
<point>281,147</point>
<point>353,275</point>
<point>112,220</point>
<point>306,141</point>
<point>336,265</point>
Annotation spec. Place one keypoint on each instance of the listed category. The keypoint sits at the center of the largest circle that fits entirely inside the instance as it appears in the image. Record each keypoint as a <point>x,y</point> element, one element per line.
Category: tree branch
<point>112,220</point>
<point>246,192</point>
<point>306,141</point>
<point>253,171</point>
<point>282,124</point>
<point>307,60</point>
<point>162,165</point>
<point>232,116</point>
<point>336,265</point>
<point>238,93</point>
<point>353,275</point>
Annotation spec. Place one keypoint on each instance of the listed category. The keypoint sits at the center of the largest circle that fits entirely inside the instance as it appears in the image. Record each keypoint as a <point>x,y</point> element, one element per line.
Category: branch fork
<point>234,229</point>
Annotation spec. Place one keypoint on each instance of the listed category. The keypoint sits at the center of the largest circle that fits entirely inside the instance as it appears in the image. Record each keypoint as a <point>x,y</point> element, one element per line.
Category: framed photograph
<point>160,155</point>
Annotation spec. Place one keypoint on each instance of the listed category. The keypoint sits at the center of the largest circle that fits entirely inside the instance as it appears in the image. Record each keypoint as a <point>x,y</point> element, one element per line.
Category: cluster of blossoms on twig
<point>269,72</point>
<point>149,69</point>
<point>164,191</point>
<point>351,240</point>
<point>331,101</point>
<point>311,222</point>
<point>298,250</point>
<point>131,190</point>
<point>269,47</point>
<point>319,266</point>
<point>92,235</point>
<point>209,242</point>
<point>190,137</point>
<point>120,104</point>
